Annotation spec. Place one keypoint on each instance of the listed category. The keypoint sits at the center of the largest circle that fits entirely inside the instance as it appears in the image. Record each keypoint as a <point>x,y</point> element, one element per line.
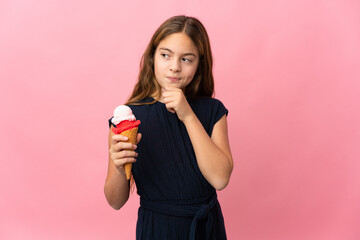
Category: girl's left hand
<point>175,101</point>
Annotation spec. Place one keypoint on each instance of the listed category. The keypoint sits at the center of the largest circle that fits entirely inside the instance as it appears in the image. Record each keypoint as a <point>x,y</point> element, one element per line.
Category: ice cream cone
<point>131,134</point>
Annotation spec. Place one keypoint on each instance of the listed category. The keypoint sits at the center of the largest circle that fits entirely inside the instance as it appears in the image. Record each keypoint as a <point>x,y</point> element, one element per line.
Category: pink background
<point>288,71</point>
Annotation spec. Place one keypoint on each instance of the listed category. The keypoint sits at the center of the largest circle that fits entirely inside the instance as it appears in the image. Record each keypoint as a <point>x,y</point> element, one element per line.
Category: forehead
<point>178,43</point>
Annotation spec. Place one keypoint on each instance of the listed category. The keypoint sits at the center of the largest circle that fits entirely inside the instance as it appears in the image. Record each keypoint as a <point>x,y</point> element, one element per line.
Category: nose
<point>175,66</point>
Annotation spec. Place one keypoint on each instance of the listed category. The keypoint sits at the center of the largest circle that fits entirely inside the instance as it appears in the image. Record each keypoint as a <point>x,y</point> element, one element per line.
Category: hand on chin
<point>175,101</point>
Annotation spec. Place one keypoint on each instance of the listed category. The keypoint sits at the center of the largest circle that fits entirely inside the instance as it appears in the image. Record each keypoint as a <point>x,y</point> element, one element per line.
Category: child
<point>183,154</point>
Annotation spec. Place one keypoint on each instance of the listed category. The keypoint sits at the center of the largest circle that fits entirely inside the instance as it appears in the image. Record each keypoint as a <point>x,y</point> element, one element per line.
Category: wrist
<point>120,172</point>
<point>190,118</point>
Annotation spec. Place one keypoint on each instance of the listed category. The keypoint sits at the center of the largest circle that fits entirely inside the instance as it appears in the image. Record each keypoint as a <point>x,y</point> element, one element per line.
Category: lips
<point>173,79</point>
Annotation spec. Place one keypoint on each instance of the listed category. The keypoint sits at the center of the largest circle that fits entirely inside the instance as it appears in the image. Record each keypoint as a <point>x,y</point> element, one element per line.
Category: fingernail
<point>134,146</point>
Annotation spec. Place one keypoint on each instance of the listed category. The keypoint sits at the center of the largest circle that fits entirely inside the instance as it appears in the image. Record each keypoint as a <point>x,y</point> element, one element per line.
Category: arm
<point>213,154</point>
<point>117,187</point>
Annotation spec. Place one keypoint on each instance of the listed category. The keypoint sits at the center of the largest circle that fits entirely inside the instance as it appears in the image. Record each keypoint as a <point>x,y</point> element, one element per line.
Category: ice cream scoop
<point>121,113</point>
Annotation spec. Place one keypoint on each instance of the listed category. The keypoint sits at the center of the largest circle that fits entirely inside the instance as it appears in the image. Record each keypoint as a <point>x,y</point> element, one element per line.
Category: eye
<point>186,60</point>
<point>164,55</point>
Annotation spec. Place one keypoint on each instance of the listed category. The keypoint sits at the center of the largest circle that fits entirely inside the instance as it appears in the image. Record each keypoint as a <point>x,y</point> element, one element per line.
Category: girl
<point>183,154</point>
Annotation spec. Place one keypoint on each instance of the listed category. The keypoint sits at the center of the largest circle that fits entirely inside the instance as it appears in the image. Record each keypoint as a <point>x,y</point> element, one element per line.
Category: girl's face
<point>175,61</point>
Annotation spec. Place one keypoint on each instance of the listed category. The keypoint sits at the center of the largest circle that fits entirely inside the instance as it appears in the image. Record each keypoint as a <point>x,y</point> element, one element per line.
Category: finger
<point>172,88</point>
<point>123,161</point>
<point>165,94</point>
<point>124,154</point>
<point>138,138</point>
<point>123,146</point>
<point>118,138</point>
<point>128,153</point>
<point>171,105</point>
<point>169,99</point>
<point>170,109</point>
<point>173,93</point>
<point>170,93</point>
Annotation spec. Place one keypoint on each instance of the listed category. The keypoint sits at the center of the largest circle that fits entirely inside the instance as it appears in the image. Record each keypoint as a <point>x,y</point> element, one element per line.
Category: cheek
<point>159,72</point>
<point>159,67</point>
<point>192,72</point>
<point>156,68</point>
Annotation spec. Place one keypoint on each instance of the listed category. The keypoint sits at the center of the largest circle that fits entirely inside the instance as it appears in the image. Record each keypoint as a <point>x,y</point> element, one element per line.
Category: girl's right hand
<point>122,152</point>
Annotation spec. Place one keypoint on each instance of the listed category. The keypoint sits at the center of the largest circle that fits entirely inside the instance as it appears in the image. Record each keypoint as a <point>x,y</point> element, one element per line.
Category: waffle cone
<point>131,134</point>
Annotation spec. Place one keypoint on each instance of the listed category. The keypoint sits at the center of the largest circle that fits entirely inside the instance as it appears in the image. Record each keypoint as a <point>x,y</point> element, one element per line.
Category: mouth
<point>173,79</point>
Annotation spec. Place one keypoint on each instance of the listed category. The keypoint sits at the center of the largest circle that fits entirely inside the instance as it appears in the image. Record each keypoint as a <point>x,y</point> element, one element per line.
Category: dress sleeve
<point>218,111</point>
<point>110,123</point>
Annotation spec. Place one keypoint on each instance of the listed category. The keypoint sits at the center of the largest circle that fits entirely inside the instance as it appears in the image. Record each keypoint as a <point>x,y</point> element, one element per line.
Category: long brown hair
<point>202,84</point>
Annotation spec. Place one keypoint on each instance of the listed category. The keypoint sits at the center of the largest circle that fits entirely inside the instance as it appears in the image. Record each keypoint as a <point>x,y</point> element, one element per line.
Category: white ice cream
<point>122,113</point>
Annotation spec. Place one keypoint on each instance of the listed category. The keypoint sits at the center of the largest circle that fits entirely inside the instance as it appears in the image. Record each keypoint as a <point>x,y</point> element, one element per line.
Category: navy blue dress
<point>176,201</point>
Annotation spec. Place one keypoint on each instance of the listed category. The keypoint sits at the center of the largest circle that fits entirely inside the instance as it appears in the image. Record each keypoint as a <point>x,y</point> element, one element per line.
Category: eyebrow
<point>166,49</point>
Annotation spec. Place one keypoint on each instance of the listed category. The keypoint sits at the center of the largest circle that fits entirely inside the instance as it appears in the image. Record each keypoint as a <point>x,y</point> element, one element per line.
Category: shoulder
<point>144,109</point>
<point>143,102</point>
<point>209,111</point>
<point>205,100</point>
<point>207,104</point>
<point>140,104</point>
